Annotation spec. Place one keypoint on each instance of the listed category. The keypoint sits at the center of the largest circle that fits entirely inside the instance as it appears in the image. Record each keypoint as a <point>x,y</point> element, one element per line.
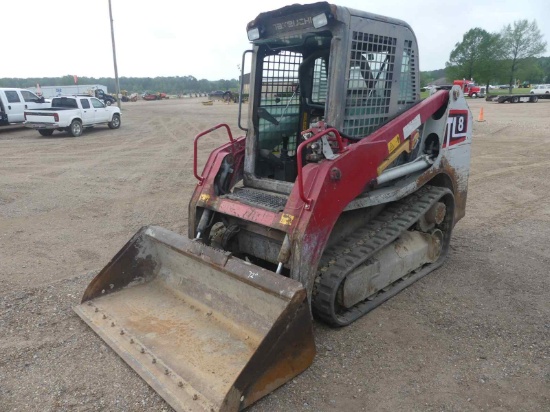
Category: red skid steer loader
<point>343,191</point>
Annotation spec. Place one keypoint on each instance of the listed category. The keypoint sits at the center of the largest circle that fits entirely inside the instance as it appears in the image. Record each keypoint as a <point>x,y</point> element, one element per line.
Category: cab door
<point>102,115</point>
<point>32,101</point>
<point>88,112</point>
<point>14,106</point>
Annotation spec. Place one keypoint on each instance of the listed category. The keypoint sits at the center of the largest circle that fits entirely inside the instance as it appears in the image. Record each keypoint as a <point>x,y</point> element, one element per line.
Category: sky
<point>206,39</point>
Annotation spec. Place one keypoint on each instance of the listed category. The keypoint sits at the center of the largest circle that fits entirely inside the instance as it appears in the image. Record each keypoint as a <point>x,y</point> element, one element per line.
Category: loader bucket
<point>208,331</point>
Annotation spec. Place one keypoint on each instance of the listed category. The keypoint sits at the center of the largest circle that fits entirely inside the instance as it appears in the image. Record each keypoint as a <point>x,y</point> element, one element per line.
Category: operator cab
<point>293,95</point>
<point>351,70</point>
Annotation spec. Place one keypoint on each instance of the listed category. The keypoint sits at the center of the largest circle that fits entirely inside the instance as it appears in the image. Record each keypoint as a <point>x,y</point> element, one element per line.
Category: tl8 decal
<point>457,127</point>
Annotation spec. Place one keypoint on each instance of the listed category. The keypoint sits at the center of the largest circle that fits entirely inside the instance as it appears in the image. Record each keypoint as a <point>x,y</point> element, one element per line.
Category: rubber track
<point>341,259</point>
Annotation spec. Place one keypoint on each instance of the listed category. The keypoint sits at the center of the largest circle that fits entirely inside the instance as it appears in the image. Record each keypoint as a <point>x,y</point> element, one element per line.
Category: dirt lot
<point>472,336</point>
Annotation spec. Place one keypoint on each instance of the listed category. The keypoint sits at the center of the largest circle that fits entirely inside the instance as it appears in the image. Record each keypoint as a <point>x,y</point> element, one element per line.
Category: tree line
<point>170,85</point>
<point>509,57</point>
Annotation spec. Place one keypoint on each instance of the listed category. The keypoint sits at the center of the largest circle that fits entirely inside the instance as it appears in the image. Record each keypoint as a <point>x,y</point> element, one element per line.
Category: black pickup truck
<point>107,98</point>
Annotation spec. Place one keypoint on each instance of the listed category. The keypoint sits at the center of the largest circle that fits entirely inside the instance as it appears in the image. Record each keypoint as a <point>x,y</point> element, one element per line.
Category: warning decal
<point>457,127</point>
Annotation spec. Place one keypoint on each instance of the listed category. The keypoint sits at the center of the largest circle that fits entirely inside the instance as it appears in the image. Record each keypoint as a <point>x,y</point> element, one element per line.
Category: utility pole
<point>117,85</point>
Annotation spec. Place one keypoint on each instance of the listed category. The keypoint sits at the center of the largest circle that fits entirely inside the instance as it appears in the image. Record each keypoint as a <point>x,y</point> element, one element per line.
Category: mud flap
<point>208,331</point>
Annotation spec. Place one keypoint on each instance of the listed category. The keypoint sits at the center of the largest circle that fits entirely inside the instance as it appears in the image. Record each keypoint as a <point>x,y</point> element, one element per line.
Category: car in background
<point>106,98</point>
<point>543,89</point>
<point>221,95</point>
<point>216,93</point>
<point>149,96</point>
<point>154,96</point>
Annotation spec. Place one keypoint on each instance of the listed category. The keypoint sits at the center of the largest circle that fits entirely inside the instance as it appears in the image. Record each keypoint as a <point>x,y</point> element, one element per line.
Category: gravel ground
<point>472,336</point>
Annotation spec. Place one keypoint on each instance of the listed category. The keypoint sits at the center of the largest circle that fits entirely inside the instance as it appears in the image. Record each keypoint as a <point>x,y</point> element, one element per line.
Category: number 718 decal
<point>457,127</point>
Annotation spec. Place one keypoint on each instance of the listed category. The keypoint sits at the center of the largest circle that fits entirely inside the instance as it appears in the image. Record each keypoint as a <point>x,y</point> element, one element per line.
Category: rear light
<point>56,117</point>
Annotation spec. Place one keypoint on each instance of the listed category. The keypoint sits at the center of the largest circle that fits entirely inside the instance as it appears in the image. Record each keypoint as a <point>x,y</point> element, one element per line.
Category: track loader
<point>343,191</point>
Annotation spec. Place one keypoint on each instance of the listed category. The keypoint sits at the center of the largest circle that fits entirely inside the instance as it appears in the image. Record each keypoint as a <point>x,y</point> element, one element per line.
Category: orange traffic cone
<point>480,118</point>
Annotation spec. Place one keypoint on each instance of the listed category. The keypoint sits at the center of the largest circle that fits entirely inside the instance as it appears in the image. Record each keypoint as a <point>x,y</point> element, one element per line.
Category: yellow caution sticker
<point>286,219</point>
<point>305,123</point>
<point>394,143</point>
<point>414,139</point>
<point>204,197</point>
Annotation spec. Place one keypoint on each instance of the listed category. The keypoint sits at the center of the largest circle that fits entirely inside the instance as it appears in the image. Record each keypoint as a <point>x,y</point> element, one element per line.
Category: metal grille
<point>256,197</point>
<point>320,82</point>
<point>280,98</point>
<point>370,76</point>
<point>407,83</point>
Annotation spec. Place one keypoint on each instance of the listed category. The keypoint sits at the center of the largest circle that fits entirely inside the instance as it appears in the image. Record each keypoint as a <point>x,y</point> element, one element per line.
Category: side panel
<point>3,114</point>
<point>14,105</point>
<point>381,75</point>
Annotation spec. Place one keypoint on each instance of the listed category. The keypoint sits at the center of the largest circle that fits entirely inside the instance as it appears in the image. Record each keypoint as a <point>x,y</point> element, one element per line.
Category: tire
<point>534,99</point>
<point>115,121</point>
<point>75,129</point>
<point>474,95</point>
<point>108,102</point>
<point>46,132</point>
<point>514,99</point>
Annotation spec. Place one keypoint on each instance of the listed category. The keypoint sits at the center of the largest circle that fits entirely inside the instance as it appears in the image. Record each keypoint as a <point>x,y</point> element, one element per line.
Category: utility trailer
<point>513,98</point>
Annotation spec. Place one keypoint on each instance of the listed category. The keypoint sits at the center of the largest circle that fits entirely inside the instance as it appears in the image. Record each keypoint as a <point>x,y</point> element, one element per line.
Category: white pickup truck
<point>14,102</point>
<point>72,114</point>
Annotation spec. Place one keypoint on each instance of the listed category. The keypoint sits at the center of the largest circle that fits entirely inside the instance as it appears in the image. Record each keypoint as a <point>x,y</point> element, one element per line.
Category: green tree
<point>465,57</point>
<point>490,67</point>
<point>475,56</point>
<point>425,78</point>
<point>522,40</point>
<point>170,85</point>
<point>544,64</point>
<point>531,72</point>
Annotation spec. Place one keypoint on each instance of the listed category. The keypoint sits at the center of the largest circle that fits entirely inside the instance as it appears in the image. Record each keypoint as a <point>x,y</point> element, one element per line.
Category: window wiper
<point>264,114</point>
<point>288,104</point>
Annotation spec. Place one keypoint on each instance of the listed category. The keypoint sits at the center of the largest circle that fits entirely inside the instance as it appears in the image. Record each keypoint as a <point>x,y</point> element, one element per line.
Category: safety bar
<point>200,178</point>
<point>341,147</point>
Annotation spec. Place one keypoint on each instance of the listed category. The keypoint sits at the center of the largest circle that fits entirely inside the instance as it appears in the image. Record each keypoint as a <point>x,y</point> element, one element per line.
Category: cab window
<point>12,96</point>
<point>97,104</point>
<point>85,103</point>
<point>28,96</point>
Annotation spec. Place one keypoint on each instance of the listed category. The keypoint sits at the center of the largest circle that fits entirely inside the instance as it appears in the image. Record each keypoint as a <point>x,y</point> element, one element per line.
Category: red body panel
<point>309,229</point>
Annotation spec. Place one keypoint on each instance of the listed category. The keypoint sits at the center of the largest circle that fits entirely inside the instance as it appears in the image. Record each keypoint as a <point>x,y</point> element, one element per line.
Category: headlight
<point>254,34</point>
<point>320,20</point>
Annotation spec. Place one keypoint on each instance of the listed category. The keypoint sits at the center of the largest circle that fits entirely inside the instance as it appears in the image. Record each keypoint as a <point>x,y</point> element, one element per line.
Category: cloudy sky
<point>205,39</point>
